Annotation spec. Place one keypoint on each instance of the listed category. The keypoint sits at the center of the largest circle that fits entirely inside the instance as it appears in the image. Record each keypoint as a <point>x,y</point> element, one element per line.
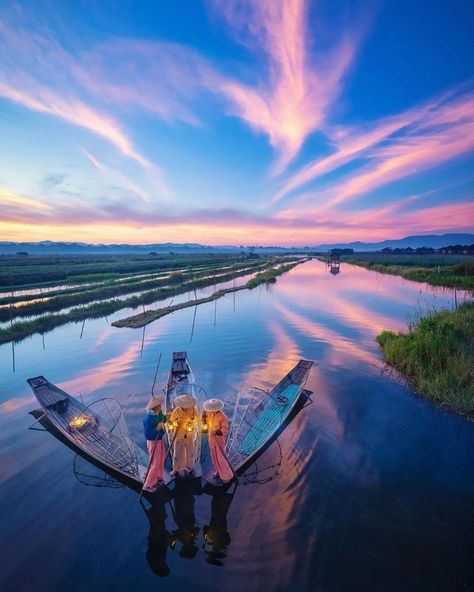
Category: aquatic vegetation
<point>448,271</point>
<point>149,316</point>
<point>437,356</point>
<point>110,290</point>
<point>269,276</point>
<point>20,329</point>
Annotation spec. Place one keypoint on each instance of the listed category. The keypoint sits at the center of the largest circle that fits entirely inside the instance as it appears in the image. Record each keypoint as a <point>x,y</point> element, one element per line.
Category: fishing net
<point>88,474</point>
<point>102,430</point>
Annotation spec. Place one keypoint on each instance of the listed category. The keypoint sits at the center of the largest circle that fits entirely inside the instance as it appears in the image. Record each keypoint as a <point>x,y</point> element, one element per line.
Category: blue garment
<point>150,421</point>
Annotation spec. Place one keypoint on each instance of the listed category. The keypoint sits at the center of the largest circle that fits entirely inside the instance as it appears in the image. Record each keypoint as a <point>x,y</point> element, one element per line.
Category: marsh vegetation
<point>437,356</point>
<point>133,282</point>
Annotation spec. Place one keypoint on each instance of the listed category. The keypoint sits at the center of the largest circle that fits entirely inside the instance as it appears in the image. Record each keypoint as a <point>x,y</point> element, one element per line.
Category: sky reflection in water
<point>376,485</point>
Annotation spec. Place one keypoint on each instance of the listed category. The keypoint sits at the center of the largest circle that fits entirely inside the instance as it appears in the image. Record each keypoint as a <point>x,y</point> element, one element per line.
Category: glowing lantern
<point>79,422</point>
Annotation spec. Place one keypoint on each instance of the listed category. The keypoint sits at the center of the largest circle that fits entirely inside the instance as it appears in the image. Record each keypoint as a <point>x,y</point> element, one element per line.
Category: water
<point>376,486</point>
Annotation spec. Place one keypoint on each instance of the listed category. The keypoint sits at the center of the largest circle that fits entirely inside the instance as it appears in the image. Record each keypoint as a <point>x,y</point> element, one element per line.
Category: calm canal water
<point>376,486</point>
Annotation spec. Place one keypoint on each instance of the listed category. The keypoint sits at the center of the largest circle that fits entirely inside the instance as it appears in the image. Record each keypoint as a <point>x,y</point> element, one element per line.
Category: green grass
<point>269,276</point>
<point>21,329</point>
<point>437,356</point>
<point>441,270</point>
<point>111,290</point>
<point>47,270</point>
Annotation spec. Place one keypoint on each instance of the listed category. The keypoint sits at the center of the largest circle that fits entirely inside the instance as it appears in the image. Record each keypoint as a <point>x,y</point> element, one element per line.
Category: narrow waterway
<point>376,485</point>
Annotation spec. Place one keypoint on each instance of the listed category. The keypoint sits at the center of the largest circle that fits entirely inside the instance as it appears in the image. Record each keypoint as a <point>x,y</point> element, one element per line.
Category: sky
<point>262,122</point>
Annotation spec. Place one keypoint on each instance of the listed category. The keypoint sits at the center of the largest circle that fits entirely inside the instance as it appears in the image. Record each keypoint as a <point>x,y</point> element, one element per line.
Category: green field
<point>72,295</point>
<point>453,271</point>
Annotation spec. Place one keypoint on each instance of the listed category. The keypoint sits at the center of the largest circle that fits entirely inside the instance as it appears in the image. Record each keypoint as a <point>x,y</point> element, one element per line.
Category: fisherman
<point>184,419</point>
<point>153,427</point>
<point>217,427</point>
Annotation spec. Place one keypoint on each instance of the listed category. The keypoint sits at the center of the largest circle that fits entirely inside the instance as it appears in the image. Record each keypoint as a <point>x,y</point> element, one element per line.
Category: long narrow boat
<point>263,420</point>
<point>181,381</point>
<point>98,430</point>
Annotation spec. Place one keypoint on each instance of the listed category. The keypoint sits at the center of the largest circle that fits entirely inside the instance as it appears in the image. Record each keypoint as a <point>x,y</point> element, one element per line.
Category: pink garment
<point>218,421</point>
<point>156,453</point>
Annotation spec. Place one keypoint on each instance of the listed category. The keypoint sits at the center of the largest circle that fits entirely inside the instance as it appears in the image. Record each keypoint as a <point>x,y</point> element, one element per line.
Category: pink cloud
<point>427,136</point>
<point>289,101</point>
<point>299,91</point>
<point>353,143</point>
<point>37,72</point>
<point>146,223</point>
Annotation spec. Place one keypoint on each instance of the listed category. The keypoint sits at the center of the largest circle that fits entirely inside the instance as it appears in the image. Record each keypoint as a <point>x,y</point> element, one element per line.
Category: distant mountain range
<point>50,247</point>
<point>436,241</point>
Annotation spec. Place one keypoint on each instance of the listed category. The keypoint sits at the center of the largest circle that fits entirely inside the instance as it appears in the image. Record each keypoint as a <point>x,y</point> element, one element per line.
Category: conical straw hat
<point>213,405</point>
<point>155,401</point>
<point>185,400</point>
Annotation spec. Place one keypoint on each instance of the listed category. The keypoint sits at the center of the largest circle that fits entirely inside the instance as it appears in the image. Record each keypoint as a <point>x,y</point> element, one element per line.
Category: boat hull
<point>102,438</point>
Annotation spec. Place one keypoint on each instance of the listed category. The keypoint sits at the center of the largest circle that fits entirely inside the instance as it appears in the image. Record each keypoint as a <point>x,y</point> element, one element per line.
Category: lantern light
<point>79,422</point>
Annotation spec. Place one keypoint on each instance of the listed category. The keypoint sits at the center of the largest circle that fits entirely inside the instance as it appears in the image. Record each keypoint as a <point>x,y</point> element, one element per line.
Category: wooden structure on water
<point>264,418</point>
<point>97,430</point>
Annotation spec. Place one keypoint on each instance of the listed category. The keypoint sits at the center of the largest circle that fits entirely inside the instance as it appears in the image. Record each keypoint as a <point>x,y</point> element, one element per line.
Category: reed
<point>459,274</point>
<point>437,356</point>
<point>21,329</point>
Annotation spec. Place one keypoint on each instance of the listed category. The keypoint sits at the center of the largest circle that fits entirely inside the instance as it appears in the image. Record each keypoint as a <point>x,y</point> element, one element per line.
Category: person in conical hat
<point>153,426</point>
<point>218,427</point>
<point>184,419</point>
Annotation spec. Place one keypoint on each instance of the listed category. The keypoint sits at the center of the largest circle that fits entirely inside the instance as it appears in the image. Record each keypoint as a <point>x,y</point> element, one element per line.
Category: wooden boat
<point>181,381</point>
<point>265,418</point>
<point>97,430</point>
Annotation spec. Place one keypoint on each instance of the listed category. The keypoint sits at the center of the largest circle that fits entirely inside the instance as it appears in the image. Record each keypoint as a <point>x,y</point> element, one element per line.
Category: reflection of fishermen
<point>159,539</point>
<point>153,426</point>
<point>187,531</point>
<point>216,537</point>
<point>218,427</point>
<point>184,420</point>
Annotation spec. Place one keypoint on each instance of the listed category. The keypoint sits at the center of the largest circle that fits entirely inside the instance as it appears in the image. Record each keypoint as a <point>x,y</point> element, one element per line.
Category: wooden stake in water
<point>11,328</point>
<point>455,298</point>
<point>82,330</point>
<point>194,322</point>
<point>143,341</point>
<point>156,374</point>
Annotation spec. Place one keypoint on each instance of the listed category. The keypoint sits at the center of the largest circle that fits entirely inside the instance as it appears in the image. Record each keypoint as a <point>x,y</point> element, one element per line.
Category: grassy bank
<point>437,356</point>
<point>448,271</point>
<point>21,329</point>
<point>111,290</point>
<point>267,276</point>
<point>46,270</point>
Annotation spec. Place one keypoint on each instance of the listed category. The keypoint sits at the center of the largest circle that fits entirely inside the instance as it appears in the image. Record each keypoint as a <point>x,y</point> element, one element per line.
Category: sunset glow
<point>235,122</point>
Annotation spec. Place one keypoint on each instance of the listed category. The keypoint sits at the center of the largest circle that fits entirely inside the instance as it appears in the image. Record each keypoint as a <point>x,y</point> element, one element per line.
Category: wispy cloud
<point>37,72</point>
<point>390,149</point>
<point>144,224</point>
<point>299,89</point>
<point>9,198</point>
<point>289,99</point>
<point>117,177</point>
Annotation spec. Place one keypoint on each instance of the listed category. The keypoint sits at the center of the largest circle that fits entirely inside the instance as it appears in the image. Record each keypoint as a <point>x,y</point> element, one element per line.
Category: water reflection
<point>216,536</point>
<point>159,538</point>
<point>375,486</point>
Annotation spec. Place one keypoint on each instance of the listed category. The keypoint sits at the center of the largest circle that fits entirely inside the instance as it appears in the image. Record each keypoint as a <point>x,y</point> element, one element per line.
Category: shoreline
<point>436,356</point>
<point>144,318</point>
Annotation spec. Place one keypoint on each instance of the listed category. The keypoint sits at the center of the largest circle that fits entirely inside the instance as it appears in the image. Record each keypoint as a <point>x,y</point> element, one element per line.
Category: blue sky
<point>229,121</point>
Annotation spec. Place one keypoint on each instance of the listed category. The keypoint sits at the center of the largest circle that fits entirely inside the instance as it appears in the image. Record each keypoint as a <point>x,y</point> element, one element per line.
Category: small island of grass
<point>437,356</point>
